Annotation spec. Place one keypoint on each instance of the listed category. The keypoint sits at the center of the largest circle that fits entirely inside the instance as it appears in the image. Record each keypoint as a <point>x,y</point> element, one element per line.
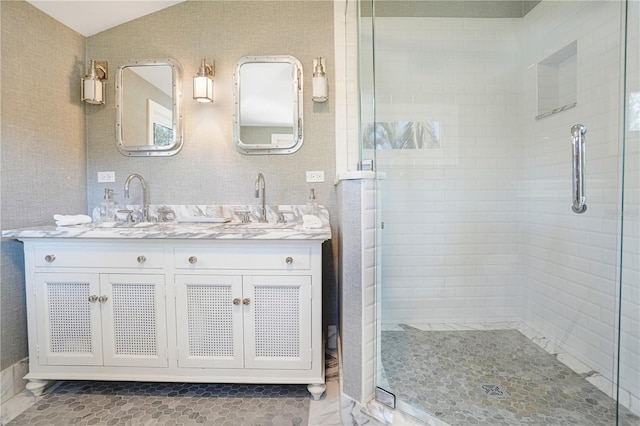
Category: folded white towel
<point>71,219</point>
<point>311,221</point>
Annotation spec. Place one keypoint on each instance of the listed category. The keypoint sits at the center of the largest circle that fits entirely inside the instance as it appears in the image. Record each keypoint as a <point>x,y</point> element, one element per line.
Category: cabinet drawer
<point>284,258</point>
<point>82,256</point>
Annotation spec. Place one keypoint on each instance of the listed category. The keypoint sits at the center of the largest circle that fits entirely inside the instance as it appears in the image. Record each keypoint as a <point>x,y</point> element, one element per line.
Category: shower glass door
<point>501,299</point>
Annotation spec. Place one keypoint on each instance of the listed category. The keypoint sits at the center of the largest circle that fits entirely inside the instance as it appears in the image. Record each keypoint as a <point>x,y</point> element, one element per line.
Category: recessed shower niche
<point>557,81</point>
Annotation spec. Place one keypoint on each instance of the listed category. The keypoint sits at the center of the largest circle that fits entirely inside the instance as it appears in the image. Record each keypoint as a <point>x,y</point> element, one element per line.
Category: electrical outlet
<point>106,177</point>
<point>317,176</point>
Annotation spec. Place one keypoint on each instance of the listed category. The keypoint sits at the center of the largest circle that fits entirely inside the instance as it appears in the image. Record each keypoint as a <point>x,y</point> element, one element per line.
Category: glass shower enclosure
<point>506,141</point>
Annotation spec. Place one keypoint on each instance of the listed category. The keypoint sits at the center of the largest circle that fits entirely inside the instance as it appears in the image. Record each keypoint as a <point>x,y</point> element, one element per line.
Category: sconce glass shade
<point>320,91</point>
<point>92,87</point>
<point>203,83</point>
<point>93,91</point>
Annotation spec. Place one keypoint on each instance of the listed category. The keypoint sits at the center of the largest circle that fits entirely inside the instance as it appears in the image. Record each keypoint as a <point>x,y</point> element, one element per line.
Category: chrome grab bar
<point>579,199</point>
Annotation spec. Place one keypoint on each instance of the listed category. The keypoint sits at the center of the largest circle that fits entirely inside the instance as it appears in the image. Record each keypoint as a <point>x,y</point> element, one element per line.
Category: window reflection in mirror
<point>266,102</point>
<point>148,109</point>
<point>268,105</point>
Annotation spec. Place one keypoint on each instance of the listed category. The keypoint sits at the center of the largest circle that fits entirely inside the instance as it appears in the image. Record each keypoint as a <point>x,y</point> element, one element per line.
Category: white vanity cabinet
<point>258,322</point>
<point>262,311</point>
<point>209,321</point>
<point>184,310</point>
<point>88,314</point>
<point>100,319</point>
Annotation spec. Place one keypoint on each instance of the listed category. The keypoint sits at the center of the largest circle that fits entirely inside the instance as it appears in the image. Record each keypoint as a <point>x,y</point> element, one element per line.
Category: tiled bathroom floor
<point>136,403</point>
<point>496,377</point>
<point>118,403</point>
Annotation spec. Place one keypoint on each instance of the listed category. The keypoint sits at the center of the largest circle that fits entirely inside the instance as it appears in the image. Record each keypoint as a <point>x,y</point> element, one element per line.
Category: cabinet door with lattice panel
<point>134,320</point>
<point>68,320</point>
<point>277,322</point>
<point>209,321</point>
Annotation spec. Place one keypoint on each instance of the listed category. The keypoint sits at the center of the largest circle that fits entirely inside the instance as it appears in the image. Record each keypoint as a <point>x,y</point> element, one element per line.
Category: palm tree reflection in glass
<point>401,135</point>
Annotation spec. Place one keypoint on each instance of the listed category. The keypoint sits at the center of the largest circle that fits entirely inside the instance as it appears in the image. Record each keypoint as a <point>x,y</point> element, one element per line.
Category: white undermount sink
<point>202,219</point>
<point>257,225</point>
<point>122,225</point>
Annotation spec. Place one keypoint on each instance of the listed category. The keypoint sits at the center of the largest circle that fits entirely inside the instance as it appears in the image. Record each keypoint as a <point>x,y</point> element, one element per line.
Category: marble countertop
<point>181,228</point>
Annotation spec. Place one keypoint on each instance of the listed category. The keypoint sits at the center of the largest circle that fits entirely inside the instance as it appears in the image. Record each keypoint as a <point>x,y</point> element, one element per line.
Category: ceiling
<point>77,14</point>
<point>89,17</point>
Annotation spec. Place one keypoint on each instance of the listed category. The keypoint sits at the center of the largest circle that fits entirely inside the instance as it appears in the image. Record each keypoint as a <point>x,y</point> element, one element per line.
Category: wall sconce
<point>320,86</point>
<point>203,83</point>
<point>92,87</point>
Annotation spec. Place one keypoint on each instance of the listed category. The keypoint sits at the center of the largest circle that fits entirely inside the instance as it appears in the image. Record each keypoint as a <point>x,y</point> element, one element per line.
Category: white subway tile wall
<point>450,242</point>
<point>346,85</point>
<point>357,218</point>
<point>571,261</point>
<point>369,286</point>
<point>630,275</point>
<point>480,229</point>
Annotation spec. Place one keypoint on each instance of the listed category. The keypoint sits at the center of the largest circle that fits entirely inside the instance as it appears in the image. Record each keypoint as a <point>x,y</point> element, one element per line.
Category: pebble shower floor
<point>493,377</point>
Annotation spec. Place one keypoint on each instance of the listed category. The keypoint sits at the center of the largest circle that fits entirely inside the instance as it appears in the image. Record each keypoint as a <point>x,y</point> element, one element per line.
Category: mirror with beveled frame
<point>267,105</point>
<point>149,108</point>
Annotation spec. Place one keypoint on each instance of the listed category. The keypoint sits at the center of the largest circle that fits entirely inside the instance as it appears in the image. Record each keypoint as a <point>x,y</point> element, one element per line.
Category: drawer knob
<point>192,259</point>
<point>141,259</point>
<point>50,258</point>
<point>289,260</point>
<point>102,299</point>
<point>236,301</point>
<point>93,298</point>
<point>246,301</point>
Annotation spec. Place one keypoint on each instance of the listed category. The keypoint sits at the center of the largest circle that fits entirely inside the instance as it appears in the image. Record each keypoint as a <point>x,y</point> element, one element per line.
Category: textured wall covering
<point>351,286</point>
<point>357,225</point>
<point>208,169</point>
<point>43,145</point>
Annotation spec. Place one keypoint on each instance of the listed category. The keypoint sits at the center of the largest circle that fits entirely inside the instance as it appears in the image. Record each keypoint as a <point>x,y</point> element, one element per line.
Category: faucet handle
<point>244,215</point>
<point>129,214</point>
<point>166,215</point>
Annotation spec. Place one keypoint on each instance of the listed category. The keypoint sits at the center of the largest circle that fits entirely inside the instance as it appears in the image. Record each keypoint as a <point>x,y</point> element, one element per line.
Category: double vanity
<point>181,301</point>
<point>184,293</point>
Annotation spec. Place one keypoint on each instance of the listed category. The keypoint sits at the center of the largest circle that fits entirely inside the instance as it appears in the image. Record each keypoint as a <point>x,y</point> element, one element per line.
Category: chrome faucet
<point>145,195</point>
<point>260,186</point>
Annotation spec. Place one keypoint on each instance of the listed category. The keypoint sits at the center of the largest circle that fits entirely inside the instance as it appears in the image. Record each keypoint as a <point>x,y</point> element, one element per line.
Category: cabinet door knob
<point>142,259</point>
<point>192,259</point>
<point>50,258</point>
<point>236,301</point>
<point>102,299</point>
<point>289,260</point>
<point>246,301</point>
<point>93,298</point>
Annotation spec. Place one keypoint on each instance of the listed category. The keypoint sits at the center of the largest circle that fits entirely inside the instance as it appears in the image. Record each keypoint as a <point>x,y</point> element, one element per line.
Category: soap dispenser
<point>108,207</point>
<point>312,204</point>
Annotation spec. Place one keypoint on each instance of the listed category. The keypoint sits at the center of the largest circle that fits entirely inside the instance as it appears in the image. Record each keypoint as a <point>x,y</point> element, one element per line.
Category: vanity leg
<point>316,390</point>
<point>37,387</point>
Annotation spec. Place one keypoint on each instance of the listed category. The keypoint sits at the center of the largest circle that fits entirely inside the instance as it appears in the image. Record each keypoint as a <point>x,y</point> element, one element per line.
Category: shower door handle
<point>579,199</point>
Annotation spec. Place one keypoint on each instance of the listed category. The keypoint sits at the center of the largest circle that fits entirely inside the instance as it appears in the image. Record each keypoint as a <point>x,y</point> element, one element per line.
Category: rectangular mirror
<point>268,105</point>
<point>148,109</point>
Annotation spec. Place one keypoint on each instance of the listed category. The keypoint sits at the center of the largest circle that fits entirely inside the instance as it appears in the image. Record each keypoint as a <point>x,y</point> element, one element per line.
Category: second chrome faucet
<point>145,195</point>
